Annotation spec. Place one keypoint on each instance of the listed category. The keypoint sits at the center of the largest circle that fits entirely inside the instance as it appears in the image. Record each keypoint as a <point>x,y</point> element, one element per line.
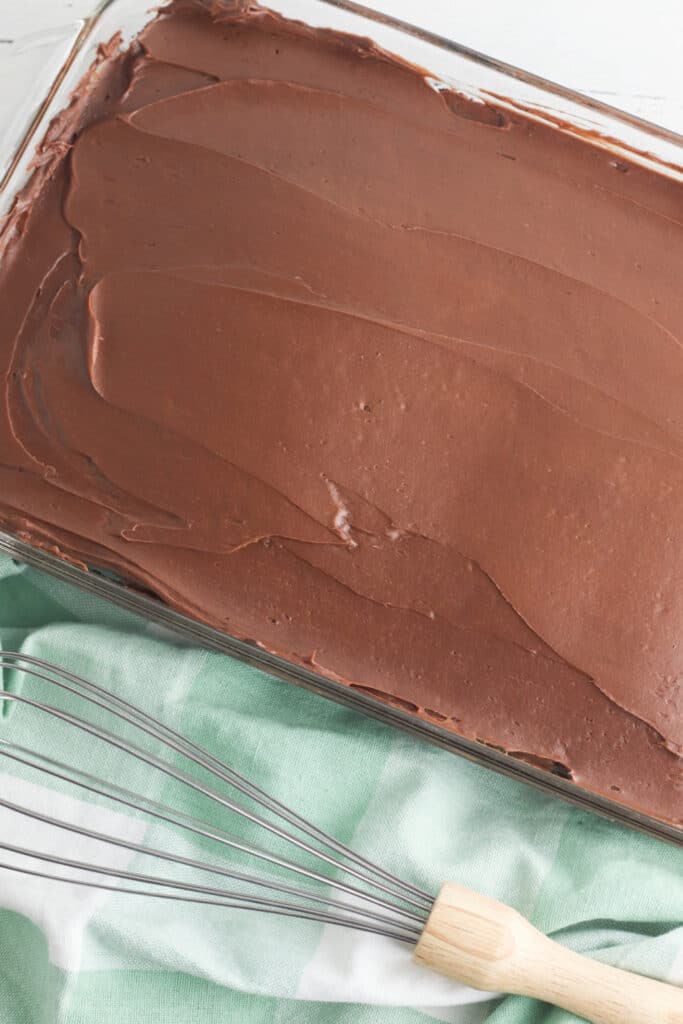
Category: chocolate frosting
<point>383,378</point>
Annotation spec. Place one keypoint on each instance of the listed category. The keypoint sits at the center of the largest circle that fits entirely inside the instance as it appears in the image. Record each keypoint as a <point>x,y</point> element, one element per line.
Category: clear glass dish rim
<point>89,24</point>
<point>102,585</point>
<point>94,582</point>
<point>510,70</point>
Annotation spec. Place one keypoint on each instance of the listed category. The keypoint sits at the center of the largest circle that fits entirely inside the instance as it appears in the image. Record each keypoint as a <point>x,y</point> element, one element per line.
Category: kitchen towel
<point>76,956</point>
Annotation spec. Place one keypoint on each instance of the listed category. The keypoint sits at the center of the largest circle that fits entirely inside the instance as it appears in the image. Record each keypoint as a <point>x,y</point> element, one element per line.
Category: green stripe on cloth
<point>422,812</point>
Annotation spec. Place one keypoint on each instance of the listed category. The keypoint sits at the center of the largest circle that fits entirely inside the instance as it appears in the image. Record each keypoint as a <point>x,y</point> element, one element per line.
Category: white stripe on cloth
<point>380,971</point>
<point>60,910</point>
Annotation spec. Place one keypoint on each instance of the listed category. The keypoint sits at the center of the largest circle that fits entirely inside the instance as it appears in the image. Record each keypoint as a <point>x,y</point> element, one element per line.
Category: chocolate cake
<point>388,380</point>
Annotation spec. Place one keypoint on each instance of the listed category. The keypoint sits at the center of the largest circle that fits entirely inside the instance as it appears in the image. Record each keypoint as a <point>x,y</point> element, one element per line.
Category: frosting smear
<point>384,379</point>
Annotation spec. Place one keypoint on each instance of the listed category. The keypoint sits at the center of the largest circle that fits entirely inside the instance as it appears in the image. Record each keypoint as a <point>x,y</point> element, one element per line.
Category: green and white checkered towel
<point>86,957</point>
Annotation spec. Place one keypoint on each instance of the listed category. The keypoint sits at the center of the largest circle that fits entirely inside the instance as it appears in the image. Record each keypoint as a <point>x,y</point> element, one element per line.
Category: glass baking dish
<point>475,75</point>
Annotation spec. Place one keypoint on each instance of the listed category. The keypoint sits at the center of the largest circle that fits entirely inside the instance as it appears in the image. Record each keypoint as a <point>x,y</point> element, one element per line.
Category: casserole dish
<point>476,89</point>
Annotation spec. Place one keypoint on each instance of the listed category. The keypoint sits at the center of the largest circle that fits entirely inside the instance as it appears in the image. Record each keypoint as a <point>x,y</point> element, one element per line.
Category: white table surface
<point>626,52</point>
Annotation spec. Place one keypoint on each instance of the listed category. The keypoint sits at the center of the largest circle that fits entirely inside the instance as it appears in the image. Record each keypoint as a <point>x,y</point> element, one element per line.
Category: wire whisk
<point>374,899</point>
<point>304,872</point>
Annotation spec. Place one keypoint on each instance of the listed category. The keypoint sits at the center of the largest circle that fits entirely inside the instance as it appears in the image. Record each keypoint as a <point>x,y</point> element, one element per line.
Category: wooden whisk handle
<point>489,946</point>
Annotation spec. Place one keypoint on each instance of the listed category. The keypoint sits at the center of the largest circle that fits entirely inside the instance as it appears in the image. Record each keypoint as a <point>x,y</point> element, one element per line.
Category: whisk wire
<point>395,908</point>
<point>179,859</point>
<point>131,714</point>
<point>272,908</point>
<point>230,899</point>
<point>152,761</point>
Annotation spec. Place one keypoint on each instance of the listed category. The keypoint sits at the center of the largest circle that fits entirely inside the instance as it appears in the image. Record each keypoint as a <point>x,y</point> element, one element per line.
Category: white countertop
<point>622,51</point>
